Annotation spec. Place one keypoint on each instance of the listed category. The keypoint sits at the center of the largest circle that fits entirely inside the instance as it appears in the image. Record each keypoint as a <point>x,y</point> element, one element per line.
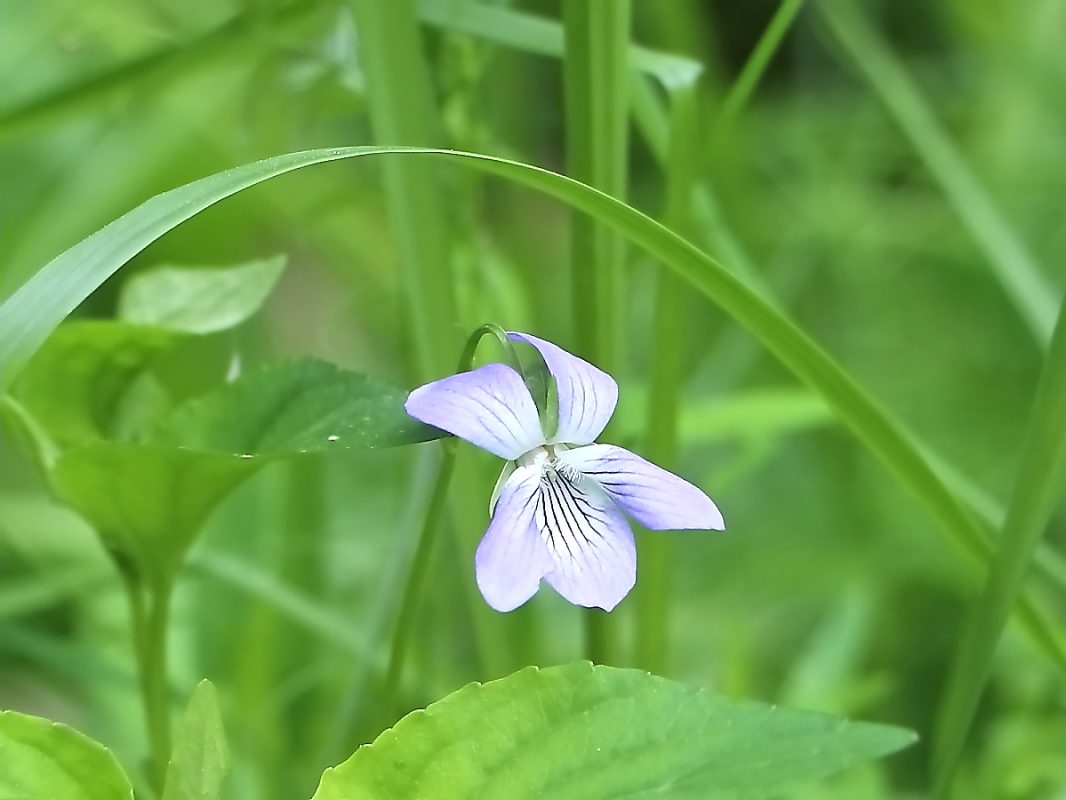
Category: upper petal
<point>512,557</point>
<point>657,499</point>
<point>594,559</point>
<point>489,406</point>
<point>587,395</point>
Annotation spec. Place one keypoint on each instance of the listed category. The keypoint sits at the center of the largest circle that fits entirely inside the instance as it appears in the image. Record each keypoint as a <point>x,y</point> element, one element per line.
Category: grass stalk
<point>1016,270</point>
<point>1038,487</point>
<point>596,82</point>
<point>668,331</point>
<point>755,67</point>
<point>402,113</point>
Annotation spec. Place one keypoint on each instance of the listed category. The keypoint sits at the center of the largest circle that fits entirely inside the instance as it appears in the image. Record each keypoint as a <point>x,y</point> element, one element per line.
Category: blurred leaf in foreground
<point>44,760</point>
<point>579,731</point>
<point>199,300</point>
<point>200,759</point>
<point>75,383</point>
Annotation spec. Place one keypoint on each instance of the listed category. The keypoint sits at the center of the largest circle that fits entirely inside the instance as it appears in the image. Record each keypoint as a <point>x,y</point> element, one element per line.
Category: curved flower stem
<point>431,525</point>
<point>413,590</point>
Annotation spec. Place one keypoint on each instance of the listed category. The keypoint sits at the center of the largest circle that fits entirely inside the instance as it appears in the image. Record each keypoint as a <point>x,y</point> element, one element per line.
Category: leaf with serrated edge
<point>579,732</point>
<point>44,760</point>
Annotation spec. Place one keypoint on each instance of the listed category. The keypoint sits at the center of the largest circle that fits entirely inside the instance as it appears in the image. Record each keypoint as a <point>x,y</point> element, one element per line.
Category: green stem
<point>413,590</point>
<point>668,328</point>
<point>1037,489</point>
<point>596,82</point>
<point>149,615</point>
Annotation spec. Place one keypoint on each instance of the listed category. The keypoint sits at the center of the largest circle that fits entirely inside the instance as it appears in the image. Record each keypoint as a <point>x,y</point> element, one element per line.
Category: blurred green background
<point>895,180</point>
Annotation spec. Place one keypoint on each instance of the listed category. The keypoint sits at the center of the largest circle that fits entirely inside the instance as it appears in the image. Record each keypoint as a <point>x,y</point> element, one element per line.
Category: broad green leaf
<point>302,406</point>
<point>44,760</point>
<point>31,313</point>
<point>147,502</point>
<point>74,384</point>
<point>579,732</point>
<point>199,300</point>
<point>200,759</point>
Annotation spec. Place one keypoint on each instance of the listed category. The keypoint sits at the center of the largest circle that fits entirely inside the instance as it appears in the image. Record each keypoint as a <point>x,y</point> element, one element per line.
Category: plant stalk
<point>1038,487</point>
<point>149,616</point>
<point>596,83</point>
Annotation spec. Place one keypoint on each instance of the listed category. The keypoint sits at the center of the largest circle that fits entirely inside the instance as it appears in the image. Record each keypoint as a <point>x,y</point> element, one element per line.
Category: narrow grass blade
<point>1021,277</point>
<point>532,34</point>
<point>402,113</point>
<point>1039,486</point>
<point>754,68</point>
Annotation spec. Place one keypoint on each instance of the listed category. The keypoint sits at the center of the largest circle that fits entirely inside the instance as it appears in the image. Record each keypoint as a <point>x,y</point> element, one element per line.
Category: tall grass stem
<point>596,82</point>
<point>1038,487</point>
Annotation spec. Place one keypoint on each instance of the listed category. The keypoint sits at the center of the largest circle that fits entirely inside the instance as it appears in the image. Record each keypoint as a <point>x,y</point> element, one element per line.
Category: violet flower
<point>558,509</point>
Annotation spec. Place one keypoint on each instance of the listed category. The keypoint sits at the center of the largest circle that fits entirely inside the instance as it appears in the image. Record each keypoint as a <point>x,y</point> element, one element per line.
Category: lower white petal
<point>511,558</point>
<point>594,559</point>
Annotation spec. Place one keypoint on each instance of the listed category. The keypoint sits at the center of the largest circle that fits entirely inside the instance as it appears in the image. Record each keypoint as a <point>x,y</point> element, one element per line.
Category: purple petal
<point>511,557</point>
<point>587,395</point>
<point>490,407</point>
<point>657,499</point>
<point>593,554</point>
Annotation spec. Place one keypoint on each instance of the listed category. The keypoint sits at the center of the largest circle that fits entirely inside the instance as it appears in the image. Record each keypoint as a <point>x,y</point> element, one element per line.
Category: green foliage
<point>580,732</point>
<point>75,384</point>
<point>44,760</point>
<point>888,179</point>
<point>201,758</point>
<point>147,502</point>
<point>303,406</point>
<point>198,300</point>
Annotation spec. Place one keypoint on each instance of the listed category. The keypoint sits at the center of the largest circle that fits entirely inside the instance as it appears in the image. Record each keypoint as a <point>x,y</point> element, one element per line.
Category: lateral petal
<point>657,499</point>
<point>489,406</point>
<point>512,558</point>
<point>594,559</point>
<point>587,395</point>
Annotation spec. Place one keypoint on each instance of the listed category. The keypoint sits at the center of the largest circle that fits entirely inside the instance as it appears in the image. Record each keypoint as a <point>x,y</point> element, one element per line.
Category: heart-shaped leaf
<point>44,760</point>
<point>579,732</point>
<point>303,406</point>
<point>147,502</point>
<point>199,300</point>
